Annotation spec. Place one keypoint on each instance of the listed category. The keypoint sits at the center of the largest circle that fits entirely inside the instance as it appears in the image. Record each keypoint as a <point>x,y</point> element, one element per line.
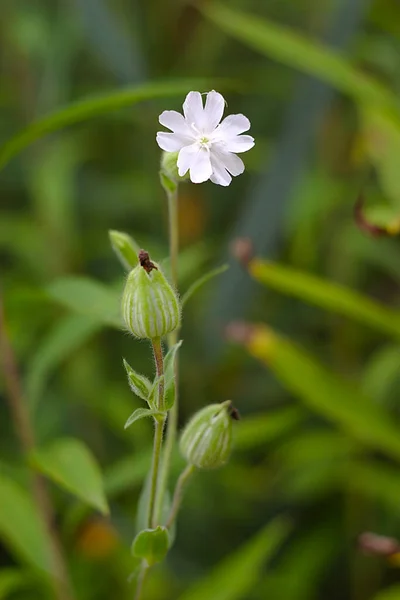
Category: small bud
<point>150,307</point>
<point>207,439</point>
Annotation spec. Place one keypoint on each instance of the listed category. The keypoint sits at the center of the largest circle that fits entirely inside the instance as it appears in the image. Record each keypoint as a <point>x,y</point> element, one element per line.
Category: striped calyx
<point>150,307</point>
<point>206,441</point>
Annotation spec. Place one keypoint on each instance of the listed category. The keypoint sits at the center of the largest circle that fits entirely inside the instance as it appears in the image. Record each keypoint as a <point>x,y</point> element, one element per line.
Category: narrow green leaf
<point>141,413</point>
<point>169,367</point>
<point>125,248</point>
<point>382,127</point>
<point>325,392</point>
<point>201,281</point>
<point>290,48</point>
<point>239,573</point>
<point>67,335</point>
<point>256,430</point>
<point>138,383</point>
<point>20,526</point>
<point>327,295</point>
<point>88,297</point>
<point>92,107</point>
<point>382,373</point>
<point>69,463</point>
<point>151,545</point>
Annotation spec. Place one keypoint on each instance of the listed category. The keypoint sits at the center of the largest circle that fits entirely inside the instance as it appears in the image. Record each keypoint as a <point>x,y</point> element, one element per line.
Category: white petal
<point>219,173</point>
<point>186,158</point>
<point>213,110</point>
<point>232,125</point>
<point>197,159</point>
<point>193,109</point>
<point>201,167</point>
<point>239,143</point>
<point>232,163</point>
<point>170,142</point>
<point>174,121</point>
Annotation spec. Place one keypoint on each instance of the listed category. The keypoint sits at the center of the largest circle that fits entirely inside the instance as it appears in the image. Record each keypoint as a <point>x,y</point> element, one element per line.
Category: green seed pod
<point>206,440</point>
<point>150,307</point>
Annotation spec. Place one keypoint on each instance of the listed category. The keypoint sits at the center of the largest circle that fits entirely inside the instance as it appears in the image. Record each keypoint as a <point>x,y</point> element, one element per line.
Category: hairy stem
<point>24,430</point>
<point>178,494</point>
<point>172,339</point>
<point>158,434</point>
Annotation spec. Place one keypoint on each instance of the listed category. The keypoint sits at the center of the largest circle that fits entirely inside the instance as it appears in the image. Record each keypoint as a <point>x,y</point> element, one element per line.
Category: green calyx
<point>206,441</point>
<point>150,307</point>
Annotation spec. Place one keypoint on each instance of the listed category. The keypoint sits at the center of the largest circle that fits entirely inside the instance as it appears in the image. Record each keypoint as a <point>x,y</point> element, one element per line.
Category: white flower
<point>207,148</point>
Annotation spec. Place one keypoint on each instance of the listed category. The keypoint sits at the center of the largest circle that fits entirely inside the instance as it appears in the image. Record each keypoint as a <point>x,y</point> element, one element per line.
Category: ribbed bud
<point>206,440</point>
<point>150,307</point>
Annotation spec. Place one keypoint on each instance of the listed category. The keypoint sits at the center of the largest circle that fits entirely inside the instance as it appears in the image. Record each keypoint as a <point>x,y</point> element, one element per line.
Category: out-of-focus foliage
<point>317,451</point>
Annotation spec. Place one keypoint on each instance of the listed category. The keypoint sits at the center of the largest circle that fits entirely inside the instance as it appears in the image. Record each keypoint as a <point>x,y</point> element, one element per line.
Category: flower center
<point>205,142</point>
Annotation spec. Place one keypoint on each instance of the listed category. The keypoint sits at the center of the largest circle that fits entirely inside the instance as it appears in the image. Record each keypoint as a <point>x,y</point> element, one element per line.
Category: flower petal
<point>171,142</point>
<point>239,143</point>
<point>232,163</point>
<point>186,158</point>
<point>213,110</point>
<point>219,173</point>
<point>201,167</point>
<point>174,121</point>
<point>232,125</point>
<point>193,109</point>
<point>197,159</point>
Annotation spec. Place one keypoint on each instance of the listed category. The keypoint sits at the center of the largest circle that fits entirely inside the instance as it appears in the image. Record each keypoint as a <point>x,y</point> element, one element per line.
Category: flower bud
<point>150,307</point>
<point>207,439</point>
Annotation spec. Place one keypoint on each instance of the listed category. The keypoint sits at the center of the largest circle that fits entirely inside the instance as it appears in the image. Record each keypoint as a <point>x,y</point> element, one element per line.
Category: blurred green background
<point>317,453</point>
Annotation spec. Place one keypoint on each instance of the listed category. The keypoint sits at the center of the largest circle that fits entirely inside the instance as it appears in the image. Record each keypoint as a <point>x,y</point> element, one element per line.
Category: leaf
<point>125,248</point>
<point>67,335</point>
<point>169,368</point>
<point>21,527</point>
<point>294,50</point>
<point>382,144</point>
<point>151,545</point>
<point>69,463</point>
<point>376,480</point>
<point>327,295</point>
<point>382,373</point>
<point>88,297</point>
<point>201,281</point>
<point>13,580</point>
<point>323,391</point>
<point>91,107</point>
<point>239,573</point>
<point>307,558</point>
<point>141,413</point>
<point>138,383</point>
<point>126,473</point>
<point>259,429</point>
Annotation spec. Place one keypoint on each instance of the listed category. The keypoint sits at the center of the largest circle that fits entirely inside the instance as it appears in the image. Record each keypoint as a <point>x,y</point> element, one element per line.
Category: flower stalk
<point>172,425</point>
<point>158,434</point>
<point>178,494</point>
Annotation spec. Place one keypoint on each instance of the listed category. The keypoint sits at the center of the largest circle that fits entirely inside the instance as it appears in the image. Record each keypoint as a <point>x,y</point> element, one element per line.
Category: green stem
<point>140,581</point>
<point>172,339</point>
<point>158,434</point>
<point>178,494</point>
